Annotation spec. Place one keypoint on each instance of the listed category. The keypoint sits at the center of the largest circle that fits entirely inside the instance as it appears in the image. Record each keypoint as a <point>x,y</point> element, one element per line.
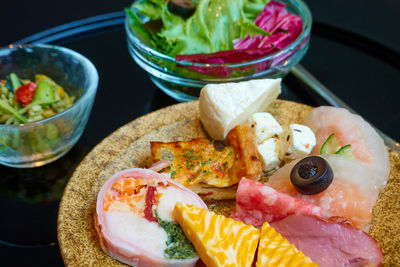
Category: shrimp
<point>366,145</point>
<point>347,196</point>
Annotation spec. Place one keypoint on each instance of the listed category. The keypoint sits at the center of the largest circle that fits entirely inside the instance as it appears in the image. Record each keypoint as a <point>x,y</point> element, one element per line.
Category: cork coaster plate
<point>129,147</point>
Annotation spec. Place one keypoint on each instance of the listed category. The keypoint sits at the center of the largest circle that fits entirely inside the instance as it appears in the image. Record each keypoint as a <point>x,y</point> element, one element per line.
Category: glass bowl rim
<point>304,13</point>
<point>87,64</point>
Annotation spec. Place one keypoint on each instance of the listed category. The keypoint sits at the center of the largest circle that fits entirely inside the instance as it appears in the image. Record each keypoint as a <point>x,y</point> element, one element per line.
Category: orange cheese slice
<point>275,250</point>
<point>218,240</point>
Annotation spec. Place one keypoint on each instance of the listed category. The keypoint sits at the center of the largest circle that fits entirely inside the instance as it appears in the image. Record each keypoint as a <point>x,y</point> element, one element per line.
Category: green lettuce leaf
<point>149,9</point>
<point>213,26</point>
<point>253,8</point>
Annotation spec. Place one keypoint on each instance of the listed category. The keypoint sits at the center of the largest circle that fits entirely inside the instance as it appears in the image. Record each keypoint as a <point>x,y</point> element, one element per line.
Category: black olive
<point>311,175</point>
<point>182,8</point>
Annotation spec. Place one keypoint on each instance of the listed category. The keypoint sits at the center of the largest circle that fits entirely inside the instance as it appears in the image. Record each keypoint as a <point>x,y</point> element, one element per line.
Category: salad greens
<point>23,101</point>
<point>212,28</point>
<point>218,32</point>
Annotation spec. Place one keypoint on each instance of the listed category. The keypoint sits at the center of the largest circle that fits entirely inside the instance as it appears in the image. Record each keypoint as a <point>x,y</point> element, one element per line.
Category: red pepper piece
<point>150,200</point>
<point>3,81</point>
<point>24,94</point>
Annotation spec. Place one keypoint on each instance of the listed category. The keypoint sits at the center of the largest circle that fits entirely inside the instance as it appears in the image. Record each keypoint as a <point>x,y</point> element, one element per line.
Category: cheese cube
<point>264,126</point>
<point>268,152</point>
<point>297,141</point>
<point>224,106</point>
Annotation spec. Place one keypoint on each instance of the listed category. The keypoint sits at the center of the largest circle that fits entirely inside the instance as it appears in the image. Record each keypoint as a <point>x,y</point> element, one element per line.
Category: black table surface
<point>354,51</point>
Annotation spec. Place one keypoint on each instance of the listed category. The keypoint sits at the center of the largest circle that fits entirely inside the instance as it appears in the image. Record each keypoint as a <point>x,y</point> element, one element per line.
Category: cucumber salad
<point>24,101</point>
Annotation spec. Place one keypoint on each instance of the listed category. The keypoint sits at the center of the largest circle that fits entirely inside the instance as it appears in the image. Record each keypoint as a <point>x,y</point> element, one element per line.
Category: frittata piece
<point>274,250</point>
<point>205,165</point>
<point>218,240</point>
<point>198,161</point>
<point>246,164</point>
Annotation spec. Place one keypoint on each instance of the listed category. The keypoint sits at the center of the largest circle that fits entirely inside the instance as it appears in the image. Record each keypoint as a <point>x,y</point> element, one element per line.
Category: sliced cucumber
<point>345,151</point>
<point>44,91</point>
<point>330,146</point>
<point>15,81</point>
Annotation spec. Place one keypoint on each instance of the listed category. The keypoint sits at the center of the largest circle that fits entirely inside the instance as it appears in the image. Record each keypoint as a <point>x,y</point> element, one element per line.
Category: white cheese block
<point>127,225</point>
<point>168,200</point>
<point>268,152</point>
<point>264,126</point>
<point>297,141</point>
<point>224,106</point>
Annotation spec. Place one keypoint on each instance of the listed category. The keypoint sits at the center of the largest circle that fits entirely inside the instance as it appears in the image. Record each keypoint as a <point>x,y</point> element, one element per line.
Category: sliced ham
<point>159,165</point>
<point>257,203</point>
<point>330,243</point>
<point>126,226</point>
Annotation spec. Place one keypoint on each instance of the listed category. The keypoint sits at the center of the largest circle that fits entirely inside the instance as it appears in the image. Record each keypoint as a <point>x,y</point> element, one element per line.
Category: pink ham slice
<point>113,238</point>
<point>329,243</point>
<point>159,165</point>
<point>257,203</point>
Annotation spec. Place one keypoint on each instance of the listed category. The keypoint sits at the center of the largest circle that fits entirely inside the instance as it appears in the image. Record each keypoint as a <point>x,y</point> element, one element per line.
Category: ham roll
<point>330,242</point>
<point>134,222</point>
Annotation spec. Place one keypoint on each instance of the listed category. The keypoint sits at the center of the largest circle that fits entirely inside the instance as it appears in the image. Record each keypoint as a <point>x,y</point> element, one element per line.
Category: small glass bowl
<point>178,80</point>
<point>38,143</point>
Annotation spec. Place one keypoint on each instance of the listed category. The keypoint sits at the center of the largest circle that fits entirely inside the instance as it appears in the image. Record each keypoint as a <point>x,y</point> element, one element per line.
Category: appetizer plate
<point>129,147</point>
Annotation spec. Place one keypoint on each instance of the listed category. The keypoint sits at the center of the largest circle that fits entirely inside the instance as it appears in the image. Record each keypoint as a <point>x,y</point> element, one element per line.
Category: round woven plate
<point>129,147</point>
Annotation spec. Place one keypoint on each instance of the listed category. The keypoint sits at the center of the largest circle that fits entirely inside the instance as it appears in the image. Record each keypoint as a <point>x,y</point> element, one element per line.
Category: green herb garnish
<point>178,246</point>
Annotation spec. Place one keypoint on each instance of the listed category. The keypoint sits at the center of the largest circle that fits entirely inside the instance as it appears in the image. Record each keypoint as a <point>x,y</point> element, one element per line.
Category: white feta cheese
<point>226,105</point>
<point>297,141</point>
<point>268,152</point>
<point>264,126</point>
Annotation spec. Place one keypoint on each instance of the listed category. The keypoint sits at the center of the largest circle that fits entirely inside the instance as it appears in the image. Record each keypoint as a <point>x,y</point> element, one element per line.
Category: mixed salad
<point>214,31</point>
<point>23,101</point>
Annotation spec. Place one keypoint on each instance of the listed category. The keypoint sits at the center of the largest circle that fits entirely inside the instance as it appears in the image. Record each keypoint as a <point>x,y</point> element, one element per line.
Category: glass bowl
<point>38,143</point>
<point>178,80</point>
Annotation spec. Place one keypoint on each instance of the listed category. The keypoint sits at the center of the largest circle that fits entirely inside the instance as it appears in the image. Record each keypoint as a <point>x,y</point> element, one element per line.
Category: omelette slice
<point>196,161</point>
<point>211,168</point>
<point>218,240</point>
<point>274,250</point>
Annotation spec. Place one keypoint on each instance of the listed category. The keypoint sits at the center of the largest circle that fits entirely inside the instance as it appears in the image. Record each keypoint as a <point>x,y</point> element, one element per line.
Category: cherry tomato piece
<point>24,94</point>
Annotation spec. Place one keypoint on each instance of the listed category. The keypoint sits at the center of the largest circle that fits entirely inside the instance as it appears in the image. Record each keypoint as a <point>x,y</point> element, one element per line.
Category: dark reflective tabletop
<point>361,71</point>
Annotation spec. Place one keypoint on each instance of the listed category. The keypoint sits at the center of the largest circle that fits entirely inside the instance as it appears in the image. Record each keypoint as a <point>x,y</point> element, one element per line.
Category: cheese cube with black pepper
<point>269,156</point>
<point>297,141</point>
<point>264,126</point>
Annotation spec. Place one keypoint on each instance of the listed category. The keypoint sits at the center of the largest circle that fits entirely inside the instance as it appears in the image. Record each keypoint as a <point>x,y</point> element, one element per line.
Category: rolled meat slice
<point>257,203</point>
<point>366,145</point>
<point>350,195</point>
<point>329,243</point>
<point>133,219</point>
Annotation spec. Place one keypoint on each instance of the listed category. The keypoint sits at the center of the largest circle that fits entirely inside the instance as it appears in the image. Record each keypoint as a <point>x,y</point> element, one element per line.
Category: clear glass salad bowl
<point>182,80</point>
<point>38,143</point>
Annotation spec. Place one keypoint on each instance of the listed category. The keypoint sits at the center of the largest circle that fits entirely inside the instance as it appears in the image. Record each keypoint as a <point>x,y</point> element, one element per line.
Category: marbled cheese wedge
<point>274,250</point>
<point>218,240</point>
